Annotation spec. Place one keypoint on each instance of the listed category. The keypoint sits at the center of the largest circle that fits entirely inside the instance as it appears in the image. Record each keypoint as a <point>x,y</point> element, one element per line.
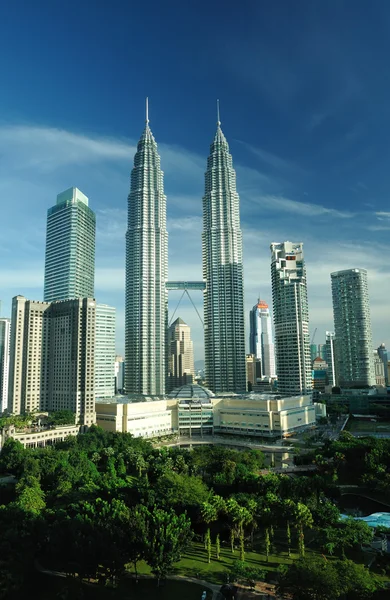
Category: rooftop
<point>191,391</point>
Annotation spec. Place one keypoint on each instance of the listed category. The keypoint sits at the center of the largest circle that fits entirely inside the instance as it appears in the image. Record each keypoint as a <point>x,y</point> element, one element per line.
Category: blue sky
<point>305,105</point>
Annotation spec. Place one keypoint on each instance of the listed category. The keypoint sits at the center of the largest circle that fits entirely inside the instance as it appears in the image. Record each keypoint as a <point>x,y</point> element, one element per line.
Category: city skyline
<point>306,108</point>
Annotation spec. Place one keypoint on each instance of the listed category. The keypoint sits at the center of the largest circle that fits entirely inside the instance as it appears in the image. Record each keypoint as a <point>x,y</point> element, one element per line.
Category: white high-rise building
<point>5,333</point>
<point>352,323</point>
<point>119,374</point>
<point>181,368</point>
<point>291,318</point>
<point>146,273</point>
<point>261,342</point>
<point>52,353</point>
<point>70,248</point>
<point>105,351</point>
<point>223,273</point>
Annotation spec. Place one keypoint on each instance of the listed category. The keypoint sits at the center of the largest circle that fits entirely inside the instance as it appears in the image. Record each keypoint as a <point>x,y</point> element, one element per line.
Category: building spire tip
<point>218,117</point>
<point>147,111</point>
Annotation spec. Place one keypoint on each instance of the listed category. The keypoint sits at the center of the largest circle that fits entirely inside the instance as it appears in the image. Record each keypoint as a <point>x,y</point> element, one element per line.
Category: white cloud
<point>279,203</point>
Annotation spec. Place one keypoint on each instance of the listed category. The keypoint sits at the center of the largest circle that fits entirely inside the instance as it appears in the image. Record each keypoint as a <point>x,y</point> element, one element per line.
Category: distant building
<point>5,333</point>
<point>383,354</point>
<point>105,351</point>
<point>291,319</point>
<point>379,369</point>
<point>70,248</point>
<point>330,358</point>
<point>181,368</point>
<point>52,357</point>
<point>253,371</point>
<point>261,342</point>
<point>313,352</point>
<point>352,321</point>
<point>119,374</point>
<point>319,374</point>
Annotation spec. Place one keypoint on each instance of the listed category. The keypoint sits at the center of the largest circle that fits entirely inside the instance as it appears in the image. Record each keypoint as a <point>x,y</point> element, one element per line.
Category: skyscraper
<point>146,273</point>
<point>261,341</point>
<point>105,351</point>
<point>352,322</point>
<point>330,358</point>
<point>291,318</point>
<point>52,357</point>
<point>181,368</point>
<point>70,248</point>
<point>223,273</point>
<point>5,331</point>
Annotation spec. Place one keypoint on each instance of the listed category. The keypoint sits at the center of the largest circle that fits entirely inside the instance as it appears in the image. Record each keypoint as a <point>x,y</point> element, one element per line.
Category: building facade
<point>330,358</point>
<point>119,374</point>
<point>193,411</point>
<point>379,369</point>
<point>352,322</point>
<point>52,357</point>
<point>181,368</point>
<point>253,371</point>
<point>105,351</point>
<point>70,248</point>
<point>291,318</point>
<point>146,273</point>
<point>261,342</point>
<point>5,338</point>
<point>223,273</point>
<point>384,356</point>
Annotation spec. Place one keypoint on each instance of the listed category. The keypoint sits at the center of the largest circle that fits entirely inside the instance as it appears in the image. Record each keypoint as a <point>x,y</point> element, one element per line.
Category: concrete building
<point>319,375</point>
<point>5,333</point>
<point>119,374</point>
<point>261,342</point>
<point>379,369</point>
<point>193,410</point>
<point>253,371</point>
<point>352,321</point>
<point>70,248</point>
<point>38,438</point>
<point>383,354</point>
<point>52,357</point>
<point>105,351</point>
<point>146,315</point>
<point>291,319</point>
<point>181,368</point>
<point>224,326</point>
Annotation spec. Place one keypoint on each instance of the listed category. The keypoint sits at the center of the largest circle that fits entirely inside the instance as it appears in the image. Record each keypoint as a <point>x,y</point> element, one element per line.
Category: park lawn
<point>194,562</point>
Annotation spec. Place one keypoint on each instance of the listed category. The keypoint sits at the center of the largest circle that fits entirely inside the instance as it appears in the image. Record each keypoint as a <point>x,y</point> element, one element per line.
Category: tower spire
<point>218,119</point>
<point>147,111</point>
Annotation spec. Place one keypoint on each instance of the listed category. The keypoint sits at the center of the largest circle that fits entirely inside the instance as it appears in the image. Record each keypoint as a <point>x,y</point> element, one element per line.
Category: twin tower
<point>146,316</point>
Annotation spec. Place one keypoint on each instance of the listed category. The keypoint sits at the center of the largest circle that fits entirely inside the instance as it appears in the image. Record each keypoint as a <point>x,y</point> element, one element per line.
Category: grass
<point>194,562</point>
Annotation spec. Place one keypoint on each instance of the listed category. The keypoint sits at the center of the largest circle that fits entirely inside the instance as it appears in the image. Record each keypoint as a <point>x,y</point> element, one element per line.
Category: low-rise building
<point>194,410</point>
<point>40,437</point>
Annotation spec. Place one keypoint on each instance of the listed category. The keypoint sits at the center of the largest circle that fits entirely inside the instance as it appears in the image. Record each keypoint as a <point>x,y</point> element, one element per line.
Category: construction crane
<point>314,335</point>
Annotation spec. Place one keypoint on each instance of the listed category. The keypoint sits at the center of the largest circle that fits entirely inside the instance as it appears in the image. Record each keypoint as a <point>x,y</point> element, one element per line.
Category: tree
<point>303,519</point>
<point>288,511</point>
<point>309,579</point>
<point>347,534</point>
<point>137,533</point>
<point>217,546</point>
<point>29,495</point>
<point>168,535</point>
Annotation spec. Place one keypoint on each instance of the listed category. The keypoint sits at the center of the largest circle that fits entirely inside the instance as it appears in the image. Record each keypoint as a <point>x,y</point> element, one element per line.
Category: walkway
<point>223,441</point>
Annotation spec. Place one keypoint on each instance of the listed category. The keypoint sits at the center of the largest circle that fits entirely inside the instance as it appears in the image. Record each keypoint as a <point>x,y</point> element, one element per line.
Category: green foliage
<point>320,579</point>
<point>61,417</point>
<point>168,536</point>
<point>246,574</point>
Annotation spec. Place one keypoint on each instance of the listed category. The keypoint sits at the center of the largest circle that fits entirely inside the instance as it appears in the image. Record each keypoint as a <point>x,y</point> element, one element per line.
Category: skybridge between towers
<point>186,287</point>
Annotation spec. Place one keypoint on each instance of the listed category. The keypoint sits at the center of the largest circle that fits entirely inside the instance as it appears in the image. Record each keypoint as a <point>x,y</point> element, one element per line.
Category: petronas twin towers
<point>146,316</point>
